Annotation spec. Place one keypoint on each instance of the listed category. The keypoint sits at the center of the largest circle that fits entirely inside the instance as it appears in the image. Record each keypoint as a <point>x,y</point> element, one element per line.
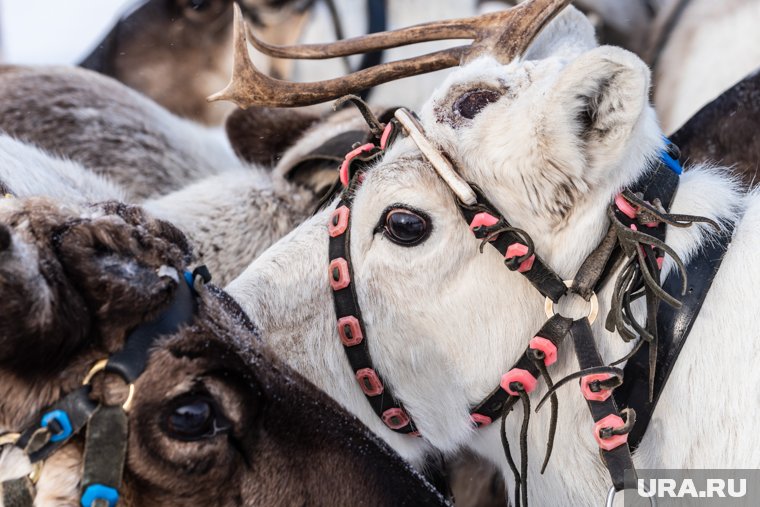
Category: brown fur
<point>725,131</point>
<point>172,53</point>
<point>261,135</point>
<point>288,444</point>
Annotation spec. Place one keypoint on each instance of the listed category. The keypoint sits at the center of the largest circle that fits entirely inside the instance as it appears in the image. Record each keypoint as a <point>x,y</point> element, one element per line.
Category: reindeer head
<point>215,419</point>
<point>549,132</point>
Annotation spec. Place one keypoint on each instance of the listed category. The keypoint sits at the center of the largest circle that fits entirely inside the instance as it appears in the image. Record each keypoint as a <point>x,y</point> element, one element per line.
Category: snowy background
<point>54,31</point>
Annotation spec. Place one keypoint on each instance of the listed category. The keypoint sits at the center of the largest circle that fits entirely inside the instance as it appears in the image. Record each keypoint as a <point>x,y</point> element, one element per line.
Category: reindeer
<point>698,49</point>
<point>545,134</point>
<point>210,416</point>
<point>83,137</point>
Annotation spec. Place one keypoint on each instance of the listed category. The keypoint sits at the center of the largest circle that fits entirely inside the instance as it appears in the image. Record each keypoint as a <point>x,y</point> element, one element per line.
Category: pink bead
<point>395,418</point>
<point>369,382</point>
<point>611,421</point>
<point>339,277</point>
<point>483,220</point>
<point>518,250</point>
<point>591,395</point>
<point>386,135</point>
<point>350,331</point>
<point>338,222</point>
<point>350,156</point>
<point>480,420</point>
<point>625,206</point>
<point>524,377</point>
<point>545,346</point>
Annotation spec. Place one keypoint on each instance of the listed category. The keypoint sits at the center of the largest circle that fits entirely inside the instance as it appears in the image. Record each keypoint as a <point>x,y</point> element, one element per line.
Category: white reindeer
<point>701,48</point>
<point>551,139</point>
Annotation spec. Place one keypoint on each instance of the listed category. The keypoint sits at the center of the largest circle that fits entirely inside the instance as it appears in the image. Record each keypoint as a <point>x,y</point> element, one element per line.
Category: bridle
<point>106,425</point>
<point>635,241</point>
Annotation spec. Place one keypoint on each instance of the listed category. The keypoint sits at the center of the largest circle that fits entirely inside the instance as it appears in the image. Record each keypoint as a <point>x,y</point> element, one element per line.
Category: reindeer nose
<point>5,238</point>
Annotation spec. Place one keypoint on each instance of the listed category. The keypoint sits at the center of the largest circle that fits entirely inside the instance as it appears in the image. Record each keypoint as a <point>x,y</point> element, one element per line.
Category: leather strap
<point>131,360</point>
<point>617,460</point>
<point>346,304</point>
<point>17,492</point>
<point>554,330</point>
<point>673,327</point>
<point>78,406</point>
<point>543,278</point>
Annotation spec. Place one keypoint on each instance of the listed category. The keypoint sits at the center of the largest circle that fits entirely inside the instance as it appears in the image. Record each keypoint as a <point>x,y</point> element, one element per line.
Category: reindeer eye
<point>405,227</point>
<point>194,417</point>
<point>472,102</point>
<point>203,10</point>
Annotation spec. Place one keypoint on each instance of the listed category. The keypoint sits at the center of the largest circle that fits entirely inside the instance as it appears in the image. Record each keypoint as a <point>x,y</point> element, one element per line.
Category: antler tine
<point>523,26</point>
<point>250,87</point>
<point>504,35</point>
<point>476,28</point>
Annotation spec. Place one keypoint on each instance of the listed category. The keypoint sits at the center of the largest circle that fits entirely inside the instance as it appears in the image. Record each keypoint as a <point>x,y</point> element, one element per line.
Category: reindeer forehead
<point>491,81</point>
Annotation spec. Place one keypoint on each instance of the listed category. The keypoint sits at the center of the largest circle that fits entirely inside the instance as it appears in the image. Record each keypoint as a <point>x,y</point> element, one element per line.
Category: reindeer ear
<point>261,135</point>
<point>602,94</point>
<point>568,35</point>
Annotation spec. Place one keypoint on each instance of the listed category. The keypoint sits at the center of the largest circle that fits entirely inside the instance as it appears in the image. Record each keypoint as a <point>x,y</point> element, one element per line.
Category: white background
<point>54,31</point>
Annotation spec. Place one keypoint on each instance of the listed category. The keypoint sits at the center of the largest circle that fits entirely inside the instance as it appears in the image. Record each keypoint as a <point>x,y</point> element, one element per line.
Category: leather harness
<point>107,425</point>
<point>617,431</point>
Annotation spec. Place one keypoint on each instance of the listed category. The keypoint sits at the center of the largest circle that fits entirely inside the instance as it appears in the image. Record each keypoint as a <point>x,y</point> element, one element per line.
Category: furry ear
<point>568,35</point>
<point>602,95</point>
<point>261,135</point>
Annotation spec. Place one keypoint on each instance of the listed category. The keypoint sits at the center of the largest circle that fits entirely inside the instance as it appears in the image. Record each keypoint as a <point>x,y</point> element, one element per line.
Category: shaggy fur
<point>287,443</point>
<point>110,129</point>
<point>725,131</point>
<point>104,141</point>
<point>444,322</point>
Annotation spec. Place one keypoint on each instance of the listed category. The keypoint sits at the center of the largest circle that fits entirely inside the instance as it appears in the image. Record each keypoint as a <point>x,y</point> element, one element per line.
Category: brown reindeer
<point>214,418</point>
<point>177,51</point>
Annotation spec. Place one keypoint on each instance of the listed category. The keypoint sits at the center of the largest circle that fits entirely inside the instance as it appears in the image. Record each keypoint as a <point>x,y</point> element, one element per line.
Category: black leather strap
<point>673,327</point>
<point>347,306</point>
<point>617,460</point>
<point>78,407</point>
<point>554,330</point>
<point>131,360</point>
<point>543,278</point>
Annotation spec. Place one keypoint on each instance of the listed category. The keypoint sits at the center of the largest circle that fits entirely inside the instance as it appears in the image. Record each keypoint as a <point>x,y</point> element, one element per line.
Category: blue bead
<point>62,418</point>
<point>99,492</point>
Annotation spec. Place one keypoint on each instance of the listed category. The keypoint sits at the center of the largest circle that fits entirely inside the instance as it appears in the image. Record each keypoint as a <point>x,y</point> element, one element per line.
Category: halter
<point>107,425</point>
<point>635,240</point>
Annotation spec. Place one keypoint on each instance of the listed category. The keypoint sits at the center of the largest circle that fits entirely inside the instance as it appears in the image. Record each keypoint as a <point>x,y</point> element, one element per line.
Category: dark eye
<point>472,102</point>
<point>203,10</point>
<point>194,417</point>
<point>405,227</point>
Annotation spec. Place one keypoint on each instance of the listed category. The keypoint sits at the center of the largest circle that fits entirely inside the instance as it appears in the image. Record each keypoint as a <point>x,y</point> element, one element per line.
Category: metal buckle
<point>97,368</point>
<point>593,311</point>
<point>613,492</point>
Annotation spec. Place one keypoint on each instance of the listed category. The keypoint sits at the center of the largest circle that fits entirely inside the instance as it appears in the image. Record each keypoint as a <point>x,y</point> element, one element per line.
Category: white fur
<point>29,171</point>
<point>445,322</point>
<point>713,46</point>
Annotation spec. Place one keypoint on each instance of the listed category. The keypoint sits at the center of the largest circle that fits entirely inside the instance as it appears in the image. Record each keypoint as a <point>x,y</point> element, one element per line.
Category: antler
<point>505,35</point>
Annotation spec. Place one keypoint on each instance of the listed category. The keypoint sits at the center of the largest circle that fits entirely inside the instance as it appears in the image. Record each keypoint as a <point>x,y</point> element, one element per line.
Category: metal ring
<point>9,438</point>
<point>613,492</point>
<point>100,366</point>
<point>593,311</point>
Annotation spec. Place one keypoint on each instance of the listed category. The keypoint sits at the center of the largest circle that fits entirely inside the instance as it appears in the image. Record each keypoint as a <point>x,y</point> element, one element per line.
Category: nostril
<point>5,238</point>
